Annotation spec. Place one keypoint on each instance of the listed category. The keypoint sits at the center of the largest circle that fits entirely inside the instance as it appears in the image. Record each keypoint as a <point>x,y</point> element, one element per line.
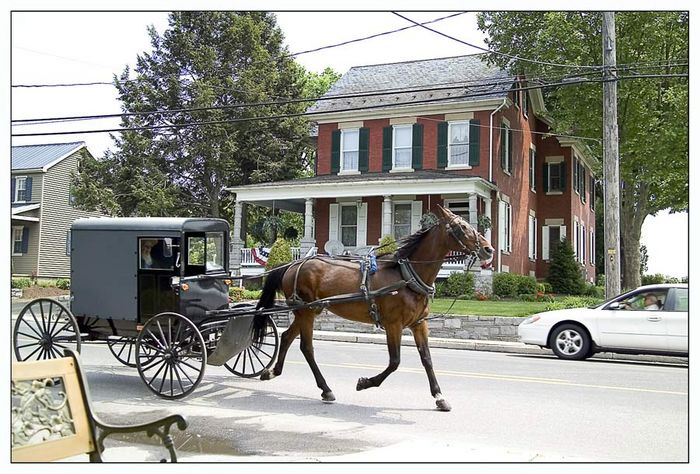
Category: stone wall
<point>492,328</point>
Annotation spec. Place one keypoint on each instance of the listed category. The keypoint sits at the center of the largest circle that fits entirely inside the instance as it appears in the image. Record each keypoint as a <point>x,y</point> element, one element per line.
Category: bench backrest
<point>49,414</point>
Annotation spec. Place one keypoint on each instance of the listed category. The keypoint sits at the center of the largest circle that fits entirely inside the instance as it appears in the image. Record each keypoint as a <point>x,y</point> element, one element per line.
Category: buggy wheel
<point>124,349</point>
<point>44,328</point>
<point>256,358</point>
<point>170,355</point>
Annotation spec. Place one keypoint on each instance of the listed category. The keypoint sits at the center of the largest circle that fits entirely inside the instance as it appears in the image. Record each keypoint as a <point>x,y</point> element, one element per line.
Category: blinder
<point>455,230</point>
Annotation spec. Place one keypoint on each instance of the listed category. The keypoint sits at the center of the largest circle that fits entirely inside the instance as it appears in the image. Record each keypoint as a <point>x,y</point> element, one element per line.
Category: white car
<point>624,324</point>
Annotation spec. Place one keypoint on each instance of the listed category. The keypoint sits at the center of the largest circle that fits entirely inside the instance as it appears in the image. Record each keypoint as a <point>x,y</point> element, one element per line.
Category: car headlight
<point>531,319</point>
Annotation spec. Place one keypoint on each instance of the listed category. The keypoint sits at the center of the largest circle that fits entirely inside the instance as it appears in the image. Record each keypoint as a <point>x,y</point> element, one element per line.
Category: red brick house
<point>396,140</point>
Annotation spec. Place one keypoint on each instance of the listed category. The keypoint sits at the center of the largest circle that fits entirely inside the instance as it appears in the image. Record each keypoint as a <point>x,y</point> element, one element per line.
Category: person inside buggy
<point>154,254</point>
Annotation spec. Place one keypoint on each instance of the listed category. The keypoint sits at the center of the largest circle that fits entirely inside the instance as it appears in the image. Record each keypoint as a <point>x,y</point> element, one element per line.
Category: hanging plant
<point>428,220</point>
<point>483,223</point>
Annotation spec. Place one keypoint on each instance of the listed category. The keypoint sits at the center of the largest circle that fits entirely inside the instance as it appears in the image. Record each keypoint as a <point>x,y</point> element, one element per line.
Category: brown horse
<point>322,277</point>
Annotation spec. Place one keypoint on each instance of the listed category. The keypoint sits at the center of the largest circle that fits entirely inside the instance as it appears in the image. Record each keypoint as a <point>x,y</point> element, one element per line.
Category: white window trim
<point>341,205</point>
<point>395,168</point>
<point>532,237</point>
<point>532,171</point>
<point>393,215</point>
<point>549,179</point>
<point>574,174</point>
<point>525,99</point>
<point>451,166</point>
<point>17,181</point>
<point>591,243</point>
<point>507,231</point>
<point>342,170</point>
<point>509,156</point>
<point>19,228</point>
<point>583,243</point>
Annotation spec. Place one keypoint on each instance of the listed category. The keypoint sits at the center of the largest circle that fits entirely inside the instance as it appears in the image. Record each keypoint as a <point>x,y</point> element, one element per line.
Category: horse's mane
<point>408,245</point>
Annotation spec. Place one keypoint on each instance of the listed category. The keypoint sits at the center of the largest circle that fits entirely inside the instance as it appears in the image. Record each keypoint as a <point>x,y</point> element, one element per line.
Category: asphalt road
<point>506,408</point>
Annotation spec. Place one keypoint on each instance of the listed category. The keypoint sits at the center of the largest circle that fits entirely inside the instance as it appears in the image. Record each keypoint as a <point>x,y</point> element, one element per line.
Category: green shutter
<point>474,132</point>
<point>25,240</point>
<point>583,183</point>
<point>510,150</point>
<point>562,165</point>
<point>503,147</point>
<point>545,177</point>
<point>387,162</point>
<point>12,189</point>
<point>417,152</point>
<point>442,145</point>
<point>363,159</point>
<point>335,151</point>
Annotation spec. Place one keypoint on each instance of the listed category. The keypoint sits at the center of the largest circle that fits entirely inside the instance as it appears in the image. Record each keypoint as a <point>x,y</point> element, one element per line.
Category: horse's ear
<point>446,213</point>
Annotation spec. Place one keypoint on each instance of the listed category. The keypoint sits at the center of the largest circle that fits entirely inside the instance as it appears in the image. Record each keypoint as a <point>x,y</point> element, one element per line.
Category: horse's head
<point>465,238</point>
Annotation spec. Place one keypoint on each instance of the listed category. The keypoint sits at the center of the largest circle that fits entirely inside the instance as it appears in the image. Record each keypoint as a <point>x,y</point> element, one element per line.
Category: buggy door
<point>157,264</point>
<point>204,257</point>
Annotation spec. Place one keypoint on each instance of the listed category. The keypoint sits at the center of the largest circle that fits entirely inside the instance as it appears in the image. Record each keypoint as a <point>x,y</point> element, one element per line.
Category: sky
<point>77,47</point>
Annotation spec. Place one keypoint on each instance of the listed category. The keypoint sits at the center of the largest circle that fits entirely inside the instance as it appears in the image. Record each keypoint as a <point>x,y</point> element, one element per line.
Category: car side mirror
<point>614,305</point>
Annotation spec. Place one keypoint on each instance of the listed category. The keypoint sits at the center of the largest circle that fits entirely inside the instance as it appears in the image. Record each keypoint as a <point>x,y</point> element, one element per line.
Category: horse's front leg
<point>420,335</point>
<point>286,340</point>
<point>393,341</point>
<point>306,327</point>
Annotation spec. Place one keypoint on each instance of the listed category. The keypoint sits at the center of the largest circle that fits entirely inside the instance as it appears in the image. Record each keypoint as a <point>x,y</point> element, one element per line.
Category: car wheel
<point>570,341</point>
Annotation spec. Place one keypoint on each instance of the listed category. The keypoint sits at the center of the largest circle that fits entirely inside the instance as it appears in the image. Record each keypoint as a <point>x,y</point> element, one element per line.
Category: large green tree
<point>203,68</point>
<point>652,112</point>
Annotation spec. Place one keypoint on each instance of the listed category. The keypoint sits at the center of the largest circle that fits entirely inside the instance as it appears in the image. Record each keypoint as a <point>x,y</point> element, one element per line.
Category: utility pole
<point>611,160</point>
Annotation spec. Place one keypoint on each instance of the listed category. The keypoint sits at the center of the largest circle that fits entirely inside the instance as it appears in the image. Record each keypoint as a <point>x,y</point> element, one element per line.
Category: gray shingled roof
<point>451,79</point>
<point>37,156</point>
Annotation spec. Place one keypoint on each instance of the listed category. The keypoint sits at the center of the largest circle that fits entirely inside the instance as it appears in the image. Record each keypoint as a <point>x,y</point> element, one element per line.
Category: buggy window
<point>156,253</point>
<point>207,250</point>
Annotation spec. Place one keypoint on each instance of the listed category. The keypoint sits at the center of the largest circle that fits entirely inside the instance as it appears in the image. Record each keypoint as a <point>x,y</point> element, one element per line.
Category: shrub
<point>544,298</point>
<point>653,279</point>
<point>572,302</point>
<point>564,271</point>
<point>21,283</point>
<point>236,293</point>
<point>527,297</point>
<point>63,283</point>
<point>459,283</point>
<point>440,289</point>
<point>280,254</point>
<point>594,291</point>
<point>251,294</point>
<point>527,285</point>
<point>481,296</point>
<point>505,285</point>
<point>253,284</point>
<point>387,245</point>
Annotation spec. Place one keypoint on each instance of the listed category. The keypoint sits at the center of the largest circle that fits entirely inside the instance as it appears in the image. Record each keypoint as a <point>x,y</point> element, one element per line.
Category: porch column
<point>473,203</point>
<point>387,216</point>
<point>487,213</point>
<point>308,242</point>
<point>237,243</point>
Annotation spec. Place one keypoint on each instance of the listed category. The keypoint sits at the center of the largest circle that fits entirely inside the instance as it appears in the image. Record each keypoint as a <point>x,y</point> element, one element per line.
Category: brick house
<point>396,140</point>
<point>42,208</point>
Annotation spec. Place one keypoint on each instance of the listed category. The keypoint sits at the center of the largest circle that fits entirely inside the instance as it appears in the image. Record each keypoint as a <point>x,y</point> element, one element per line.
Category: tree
<point>652,112</point>
<point>643,260</point>
<point>280,254</point>
<point>204,68</point>
<point>565,273</point>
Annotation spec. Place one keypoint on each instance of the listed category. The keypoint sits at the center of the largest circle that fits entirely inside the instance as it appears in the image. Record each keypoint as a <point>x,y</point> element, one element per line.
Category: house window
<point>506,152</point>
<point>591,253</point>
<point>532,237</point>
<point>555,175</point>
<point>403,146</point>
<point>551,236</point>
<point>402,220</point>
<point>17,233</point>
<point>526,104</point>
<point>21,189</point>
<point>533,163</point>
<point>348,225</point>
<point>575,175</point>
<point>458,154</point>
<point>349,149</point>
<point>505,223</point>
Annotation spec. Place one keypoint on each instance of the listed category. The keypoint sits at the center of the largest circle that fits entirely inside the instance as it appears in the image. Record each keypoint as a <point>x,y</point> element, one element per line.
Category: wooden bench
<point>52,415</point>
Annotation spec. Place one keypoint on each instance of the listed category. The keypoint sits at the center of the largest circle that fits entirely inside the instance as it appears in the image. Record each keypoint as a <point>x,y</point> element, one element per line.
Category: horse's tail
<point>273,282</point>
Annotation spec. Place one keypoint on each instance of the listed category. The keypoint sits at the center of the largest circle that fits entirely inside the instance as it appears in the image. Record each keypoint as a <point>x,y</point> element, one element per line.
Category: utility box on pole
<point>611,160</point>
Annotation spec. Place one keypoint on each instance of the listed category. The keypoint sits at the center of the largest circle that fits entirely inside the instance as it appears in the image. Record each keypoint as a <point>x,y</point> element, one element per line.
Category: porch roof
<point>366,184</point>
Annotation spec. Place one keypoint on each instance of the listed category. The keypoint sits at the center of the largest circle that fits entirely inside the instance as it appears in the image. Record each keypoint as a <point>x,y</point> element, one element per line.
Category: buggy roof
<point>150,224</point>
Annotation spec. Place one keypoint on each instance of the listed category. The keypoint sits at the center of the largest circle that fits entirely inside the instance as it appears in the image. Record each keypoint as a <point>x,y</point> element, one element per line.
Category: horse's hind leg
<point>393,340</point>
<point>286,340</point>
<point>420,335</point>
<point>306,326</point>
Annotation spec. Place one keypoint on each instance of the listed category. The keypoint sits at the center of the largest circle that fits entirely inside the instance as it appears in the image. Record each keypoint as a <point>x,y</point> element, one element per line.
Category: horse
<point>412,269</point>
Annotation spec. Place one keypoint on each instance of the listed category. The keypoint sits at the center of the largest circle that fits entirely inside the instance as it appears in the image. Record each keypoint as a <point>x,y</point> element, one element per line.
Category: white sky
<point>68,47</point>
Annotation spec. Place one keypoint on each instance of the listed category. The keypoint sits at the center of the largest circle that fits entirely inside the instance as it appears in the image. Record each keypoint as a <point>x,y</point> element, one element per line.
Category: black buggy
<point>156,290</point>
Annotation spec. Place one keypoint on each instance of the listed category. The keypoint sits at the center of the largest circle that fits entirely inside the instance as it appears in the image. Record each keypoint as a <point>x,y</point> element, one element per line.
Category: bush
<point>236,293</point>
<point>251,294</point>
<point>564,271</point>
<point>527,285</point>
<point>572,302</point>
<point>280,254</point>
<point>63,283</point>
<point>459,283</point>
<point>253,284</point>
<point>544,287</point>
<point>653,279</point>
<point>505,285</point>
<point>527,297</point>
<point>594,291</point>
<point>21,283</point>
<point>440,289</point>
<point>387,245</point>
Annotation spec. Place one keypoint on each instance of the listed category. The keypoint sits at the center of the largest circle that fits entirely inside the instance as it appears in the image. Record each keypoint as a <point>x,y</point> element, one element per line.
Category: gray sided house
<point>42,208</point>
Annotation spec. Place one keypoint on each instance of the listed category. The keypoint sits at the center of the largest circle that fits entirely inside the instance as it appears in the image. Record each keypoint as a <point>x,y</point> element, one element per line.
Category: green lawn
<point>486,308</point>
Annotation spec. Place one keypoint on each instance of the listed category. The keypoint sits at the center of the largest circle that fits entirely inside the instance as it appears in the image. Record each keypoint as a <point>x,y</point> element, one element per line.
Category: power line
<point>300,114</point>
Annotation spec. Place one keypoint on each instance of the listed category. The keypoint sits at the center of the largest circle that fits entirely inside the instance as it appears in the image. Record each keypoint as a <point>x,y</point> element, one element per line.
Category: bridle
<point>457,232</point>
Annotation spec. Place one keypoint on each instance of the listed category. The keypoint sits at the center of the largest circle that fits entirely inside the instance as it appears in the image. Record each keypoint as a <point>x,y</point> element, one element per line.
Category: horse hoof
<point>327,397</point>
<point>442,405</point>
<point>363,383</point>
<point>267,375</point>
